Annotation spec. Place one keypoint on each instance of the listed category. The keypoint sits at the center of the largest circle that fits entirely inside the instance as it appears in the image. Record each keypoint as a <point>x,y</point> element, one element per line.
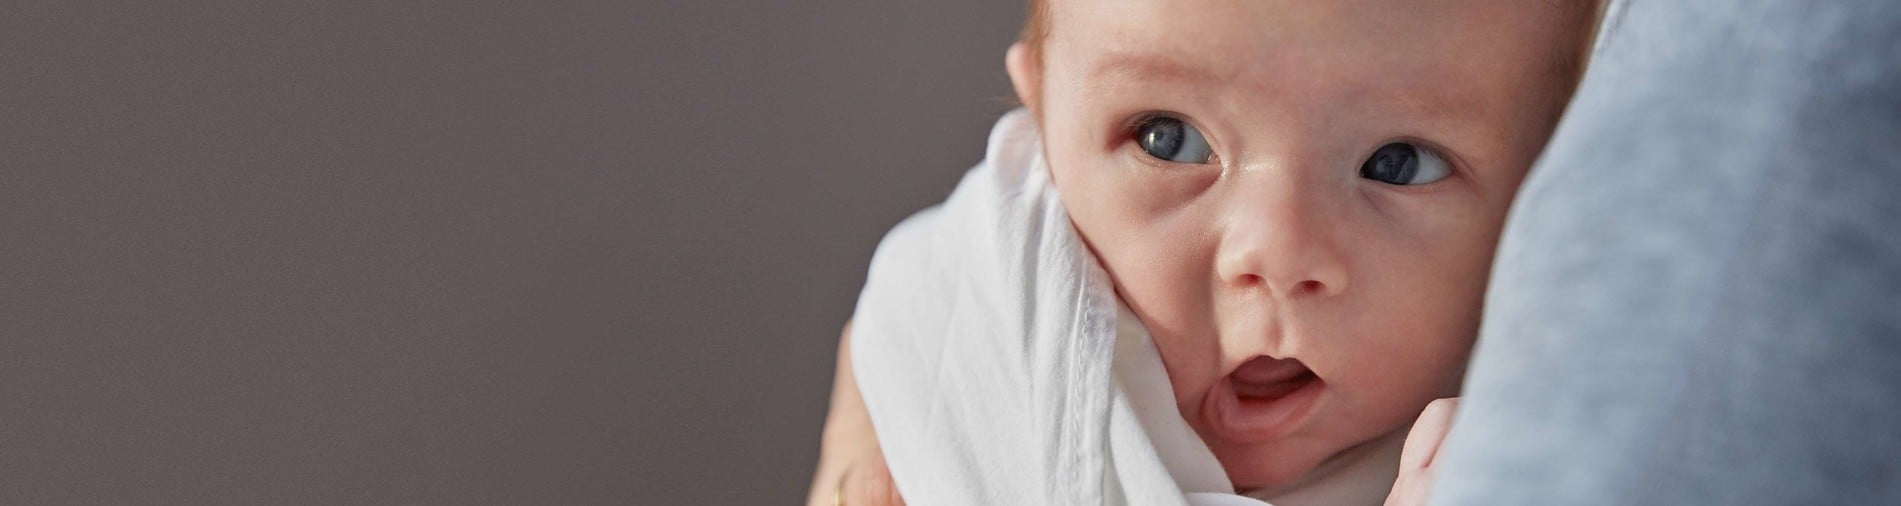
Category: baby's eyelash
<point>1451,162</point>
<point>1135,124</point>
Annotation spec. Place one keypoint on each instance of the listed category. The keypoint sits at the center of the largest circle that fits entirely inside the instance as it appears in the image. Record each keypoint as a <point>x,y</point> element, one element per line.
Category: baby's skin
<point>1300,201</point>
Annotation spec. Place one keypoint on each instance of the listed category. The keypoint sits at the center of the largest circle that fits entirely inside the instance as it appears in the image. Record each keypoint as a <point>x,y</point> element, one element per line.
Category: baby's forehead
<point>1435,58</point>
<point>1397,36</point>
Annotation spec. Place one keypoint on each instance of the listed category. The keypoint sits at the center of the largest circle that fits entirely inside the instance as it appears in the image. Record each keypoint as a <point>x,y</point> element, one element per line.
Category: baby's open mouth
<point>1268,378</point>
<point>1262,399</point>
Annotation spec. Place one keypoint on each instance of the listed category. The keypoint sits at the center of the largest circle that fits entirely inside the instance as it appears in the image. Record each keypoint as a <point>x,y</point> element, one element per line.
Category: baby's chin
<point>1273,465</point>
<point>1293,461</point>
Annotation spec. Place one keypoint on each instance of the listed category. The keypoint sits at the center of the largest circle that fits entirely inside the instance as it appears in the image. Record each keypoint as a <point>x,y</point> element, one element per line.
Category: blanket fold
<point>998,365</point>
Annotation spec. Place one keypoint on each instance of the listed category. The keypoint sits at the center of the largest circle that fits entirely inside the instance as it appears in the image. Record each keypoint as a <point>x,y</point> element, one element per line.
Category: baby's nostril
<point>1308,287</point>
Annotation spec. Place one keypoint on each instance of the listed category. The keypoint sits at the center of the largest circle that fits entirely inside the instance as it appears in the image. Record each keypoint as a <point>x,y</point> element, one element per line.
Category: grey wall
<point>581,252</point>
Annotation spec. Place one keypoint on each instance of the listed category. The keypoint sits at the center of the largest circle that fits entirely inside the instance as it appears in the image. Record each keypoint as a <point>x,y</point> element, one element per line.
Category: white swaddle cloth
<point>986,348</point>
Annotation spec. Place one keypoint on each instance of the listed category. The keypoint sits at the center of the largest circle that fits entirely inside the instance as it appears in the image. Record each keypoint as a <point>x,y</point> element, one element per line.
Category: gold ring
<point>838,492</point>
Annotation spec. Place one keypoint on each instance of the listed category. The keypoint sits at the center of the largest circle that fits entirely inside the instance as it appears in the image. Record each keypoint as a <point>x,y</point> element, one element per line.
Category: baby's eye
<point>1403,163</point>
<point>1173,140</point>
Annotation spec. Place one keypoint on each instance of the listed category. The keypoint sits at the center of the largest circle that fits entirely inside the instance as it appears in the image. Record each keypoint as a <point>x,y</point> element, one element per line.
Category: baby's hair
<point>1036,25</point>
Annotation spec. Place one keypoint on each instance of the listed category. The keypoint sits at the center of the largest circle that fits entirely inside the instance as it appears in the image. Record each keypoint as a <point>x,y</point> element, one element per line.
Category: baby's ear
<point>1026,75</point>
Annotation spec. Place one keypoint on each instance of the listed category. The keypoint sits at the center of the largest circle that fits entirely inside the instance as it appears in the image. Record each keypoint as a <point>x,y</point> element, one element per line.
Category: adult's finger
<point>869,484</point>
<point>1422,442</point>
<point>1416,473</point>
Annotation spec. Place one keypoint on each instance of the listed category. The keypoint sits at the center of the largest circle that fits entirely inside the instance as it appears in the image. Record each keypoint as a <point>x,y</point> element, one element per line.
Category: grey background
<point>583,252</point>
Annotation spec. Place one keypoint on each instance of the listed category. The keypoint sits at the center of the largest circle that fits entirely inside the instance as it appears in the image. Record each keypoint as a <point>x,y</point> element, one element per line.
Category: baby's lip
<point>1264,370</point>
<point>1262,399</point>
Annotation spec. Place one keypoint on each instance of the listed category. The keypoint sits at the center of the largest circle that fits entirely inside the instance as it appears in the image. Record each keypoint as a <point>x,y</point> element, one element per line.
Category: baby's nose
<point>1278,241</point>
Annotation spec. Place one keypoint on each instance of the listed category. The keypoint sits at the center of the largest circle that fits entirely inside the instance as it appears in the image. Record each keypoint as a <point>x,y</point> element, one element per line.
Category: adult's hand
<point>851,468</point>
<point>1416,471</point>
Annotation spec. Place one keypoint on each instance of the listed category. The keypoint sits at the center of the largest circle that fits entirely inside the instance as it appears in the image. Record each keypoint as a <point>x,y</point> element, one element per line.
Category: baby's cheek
<point>1438,342</point>
<point>1155,252</point>
<point>1413,339</point>
<point>1158,269</point>
<point>1156,248</point>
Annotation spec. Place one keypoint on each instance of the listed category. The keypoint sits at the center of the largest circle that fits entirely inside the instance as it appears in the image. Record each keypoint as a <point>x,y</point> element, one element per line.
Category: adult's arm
<point>851,467</point>
<point>1698,296</point>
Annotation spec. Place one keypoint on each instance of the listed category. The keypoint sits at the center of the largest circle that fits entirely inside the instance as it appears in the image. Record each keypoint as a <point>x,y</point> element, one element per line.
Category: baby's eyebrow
<point>1124,65</point>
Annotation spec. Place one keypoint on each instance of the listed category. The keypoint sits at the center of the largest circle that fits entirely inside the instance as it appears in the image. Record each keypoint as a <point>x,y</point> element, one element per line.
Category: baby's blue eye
<point>1403,163</point>
<point>1173,140</point>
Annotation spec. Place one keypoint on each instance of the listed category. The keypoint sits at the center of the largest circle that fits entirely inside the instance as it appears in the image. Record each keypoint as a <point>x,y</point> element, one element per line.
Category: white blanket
<point>999,366</point>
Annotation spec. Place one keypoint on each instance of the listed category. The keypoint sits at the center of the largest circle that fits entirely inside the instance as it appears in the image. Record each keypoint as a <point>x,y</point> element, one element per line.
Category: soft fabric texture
<point>999,367</point>
<point>984,346</point>
<point>1697,299</point>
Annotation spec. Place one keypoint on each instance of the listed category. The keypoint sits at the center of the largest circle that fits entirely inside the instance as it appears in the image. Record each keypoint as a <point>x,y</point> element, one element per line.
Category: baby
<point>1299,200</point>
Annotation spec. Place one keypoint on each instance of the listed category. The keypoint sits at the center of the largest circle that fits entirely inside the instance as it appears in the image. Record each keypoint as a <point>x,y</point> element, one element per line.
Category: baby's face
<point>1300,199</point>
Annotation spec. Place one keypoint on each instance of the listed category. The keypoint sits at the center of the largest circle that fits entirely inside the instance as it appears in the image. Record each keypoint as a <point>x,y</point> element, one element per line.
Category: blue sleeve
<point>1697,299</point>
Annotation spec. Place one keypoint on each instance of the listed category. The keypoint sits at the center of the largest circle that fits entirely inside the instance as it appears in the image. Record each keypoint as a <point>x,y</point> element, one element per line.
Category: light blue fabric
<point>1698,296</point>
